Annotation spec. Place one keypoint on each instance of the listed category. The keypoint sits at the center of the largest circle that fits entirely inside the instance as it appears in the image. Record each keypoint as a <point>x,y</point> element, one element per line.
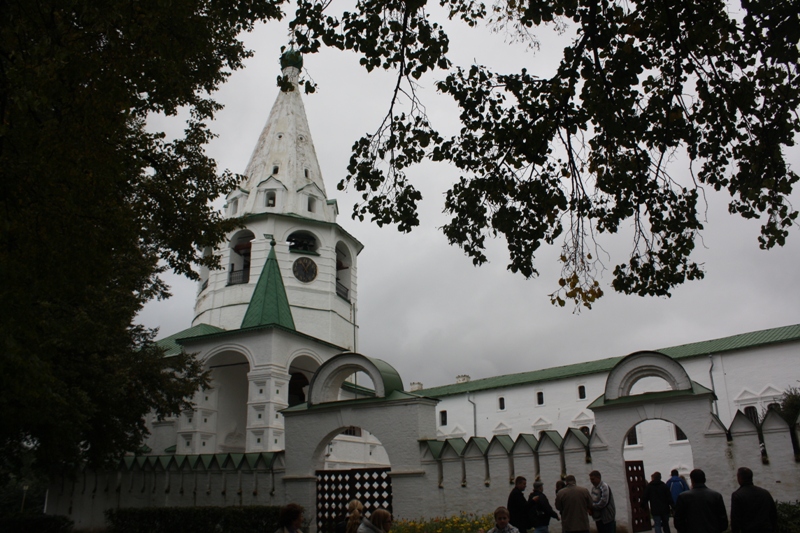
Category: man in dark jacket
<point>657,495</point>
<point>700,510</point>
<point>752,508</point>
<point>517,506</point>
<point>539,510</point>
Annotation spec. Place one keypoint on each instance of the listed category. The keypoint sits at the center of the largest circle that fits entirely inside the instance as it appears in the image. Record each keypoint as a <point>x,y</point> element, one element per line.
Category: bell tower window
<point>303,242</point>
<point>312,204</point>
<point>234,206</point>
<point>271,198</point>
<point>275,169</point>
<point>240,246</point>
<point>343,275</point>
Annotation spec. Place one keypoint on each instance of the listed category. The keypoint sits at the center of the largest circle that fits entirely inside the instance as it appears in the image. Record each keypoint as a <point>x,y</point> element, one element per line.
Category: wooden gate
<point>634,473</point>
<point>336,488</point>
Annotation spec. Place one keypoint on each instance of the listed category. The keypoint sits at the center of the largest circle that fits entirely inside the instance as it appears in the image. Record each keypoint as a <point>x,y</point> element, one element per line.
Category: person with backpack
<point>676,485</point>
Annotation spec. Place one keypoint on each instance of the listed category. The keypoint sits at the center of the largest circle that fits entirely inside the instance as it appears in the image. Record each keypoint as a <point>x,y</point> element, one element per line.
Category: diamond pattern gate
<point>634,471</point>
<point>336,488</point>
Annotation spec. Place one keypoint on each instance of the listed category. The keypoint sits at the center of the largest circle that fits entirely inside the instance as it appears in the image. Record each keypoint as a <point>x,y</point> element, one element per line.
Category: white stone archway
<point>686,404</point>
<point>399,420</point>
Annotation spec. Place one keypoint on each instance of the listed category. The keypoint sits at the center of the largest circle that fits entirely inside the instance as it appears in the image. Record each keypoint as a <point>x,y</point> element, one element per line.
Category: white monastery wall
<point>562,408</point>
<point>440,486</point>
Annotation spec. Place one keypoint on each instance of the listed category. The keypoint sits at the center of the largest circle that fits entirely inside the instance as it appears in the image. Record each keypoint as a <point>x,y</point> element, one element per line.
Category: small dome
<point>292,58</point>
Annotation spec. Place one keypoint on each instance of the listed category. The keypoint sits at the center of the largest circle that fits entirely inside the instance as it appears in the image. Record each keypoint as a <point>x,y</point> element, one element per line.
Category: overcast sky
<point>422,306</point>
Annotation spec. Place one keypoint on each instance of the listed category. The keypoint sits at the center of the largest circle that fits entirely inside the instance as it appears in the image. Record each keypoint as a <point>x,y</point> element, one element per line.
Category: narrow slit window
<point>581,392</point>
<point>539,398</point>
<point>442,418</point>
<point>501,403</point>
<point>275,169</point>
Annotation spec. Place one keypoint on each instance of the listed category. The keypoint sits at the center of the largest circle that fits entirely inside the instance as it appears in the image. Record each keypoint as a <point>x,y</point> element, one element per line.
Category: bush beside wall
<point>193,520</point>
<point>789,517</point>
<point>35,523</point>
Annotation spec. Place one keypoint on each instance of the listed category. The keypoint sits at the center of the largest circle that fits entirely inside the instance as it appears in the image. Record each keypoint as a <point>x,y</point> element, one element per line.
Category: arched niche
<point>328,380</point>
<point>639,365</point>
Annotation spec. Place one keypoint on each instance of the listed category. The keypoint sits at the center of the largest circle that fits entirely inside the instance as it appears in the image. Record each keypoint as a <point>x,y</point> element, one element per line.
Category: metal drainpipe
<point>713,388</point>
<point>474,417</point>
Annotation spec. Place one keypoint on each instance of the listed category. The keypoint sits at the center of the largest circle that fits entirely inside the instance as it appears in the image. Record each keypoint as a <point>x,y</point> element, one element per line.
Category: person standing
<point>539,510</point>
<point>353,519</point>
<point>676,485</point>
<point>517,506</point>
<point>658,497</point>
<point>575,505</point>
<point>380,521</point>
<point>752,508</point>
<point>290,519</point>
<point>604,511</point>
<point>700,510</point>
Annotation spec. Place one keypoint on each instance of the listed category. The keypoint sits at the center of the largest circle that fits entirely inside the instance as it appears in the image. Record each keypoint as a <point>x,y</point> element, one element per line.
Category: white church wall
<point>521,414</point>
<point>780,454</point>
<point>550,463</point>
<point>524,462</point>
<point>761,370</point>
<point>765,371</point>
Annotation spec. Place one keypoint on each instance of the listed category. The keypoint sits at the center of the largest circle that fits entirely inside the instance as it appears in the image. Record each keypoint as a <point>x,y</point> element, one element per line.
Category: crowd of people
<point>576,505</point>
<point>700,509</point>
<point>695,509</point>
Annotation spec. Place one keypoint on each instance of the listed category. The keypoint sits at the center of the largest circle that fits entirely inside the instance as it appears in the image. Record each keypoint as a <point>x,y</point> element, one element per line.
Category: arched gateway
<point>687,404</point>
<point>397,418</point>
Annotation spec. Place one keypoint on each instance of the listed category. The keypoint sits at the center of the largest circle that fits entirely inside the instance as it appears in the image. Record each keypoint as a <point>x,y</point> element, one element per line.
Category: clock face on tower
<point>305,269</point>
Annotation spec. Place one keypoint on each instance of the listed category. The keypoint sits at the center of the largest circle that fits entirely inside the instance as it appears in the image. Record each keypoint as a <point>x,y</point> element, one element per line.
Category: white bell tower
<point>282,197</point>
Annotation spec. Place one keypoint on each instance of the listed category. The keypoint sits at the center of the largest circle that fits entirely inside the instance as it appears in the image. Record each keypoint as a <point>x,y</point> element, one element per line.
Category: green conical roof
<point>292,58</point>
<point>269,304</point>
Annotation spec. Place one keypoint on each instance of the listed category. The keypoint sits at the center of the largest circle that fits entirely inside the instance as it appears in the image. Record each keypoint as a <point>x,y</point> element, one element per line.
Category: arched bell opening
<point>344,262</point>
<point>239,262</point>
<point>301,371</point>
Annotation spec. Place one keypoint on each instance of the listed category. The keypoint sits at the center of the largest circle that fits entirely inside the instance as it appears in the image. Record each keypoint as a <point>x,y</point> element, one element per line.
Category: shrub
<point>255,519</point>
<point>35,523</point>
<point>462,523</point>
<point>789,517</point>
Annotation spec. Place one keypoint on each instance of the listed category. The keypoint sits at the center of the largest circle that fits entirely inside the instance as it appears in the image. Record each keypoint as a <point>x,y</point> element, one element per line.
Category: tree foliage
<point>93,207</point>
<point>586,151</point>
<point>790,404</point>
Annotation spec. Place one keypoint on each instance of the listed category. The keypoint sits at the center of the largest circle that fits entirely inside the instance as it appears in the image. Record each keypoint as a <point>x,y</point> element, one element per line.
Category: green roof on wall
<point>170,344</point>
<point>726,344</point>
